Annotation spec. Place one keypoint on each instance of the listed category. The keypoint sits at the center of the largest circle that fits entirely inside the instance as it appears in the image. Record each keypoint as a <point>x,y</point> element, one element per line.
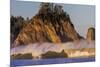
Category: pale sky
<point>82,16</point>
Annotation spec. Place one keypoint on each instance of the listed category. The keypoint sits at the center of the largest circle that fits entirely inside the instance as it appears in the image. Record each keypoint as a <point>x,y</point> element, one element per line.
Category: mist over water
<point>39,48</point>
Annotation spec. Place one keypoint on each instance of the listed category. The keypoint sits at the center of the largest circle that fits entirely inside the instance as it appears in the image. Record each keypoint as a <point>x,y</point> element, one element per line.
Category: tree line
<point>16,25</point>
<point>52,12</point>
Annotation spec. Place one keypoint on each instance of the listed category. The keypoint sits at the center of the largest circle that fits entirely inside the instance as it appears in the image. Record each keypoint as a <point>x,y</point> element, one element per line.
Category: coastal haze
<point>71,48</point>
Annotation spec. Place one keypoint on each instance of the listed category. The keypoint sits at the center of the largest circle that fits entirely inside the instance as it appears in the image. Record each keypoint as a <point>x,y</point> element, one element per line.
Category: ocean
<point>28,62</point>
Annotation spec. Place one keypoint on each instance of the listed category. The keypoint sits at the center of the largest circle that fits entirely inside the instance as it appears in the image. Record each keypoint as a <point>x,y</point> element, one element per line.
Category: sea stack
<point>51,24</point>
<point>90,34</point>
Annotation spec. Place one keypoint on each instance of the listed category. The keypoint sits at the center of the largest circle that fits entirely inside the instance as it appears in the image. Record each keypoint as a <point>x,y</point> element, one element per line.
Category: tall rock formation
<point>50,24</point>
<point>90,34</point>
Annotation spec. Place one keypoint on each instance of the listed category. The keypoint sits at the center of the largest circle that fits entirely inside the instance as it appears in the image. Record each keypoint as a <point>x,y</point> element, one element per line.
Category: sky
<point>82,16</point>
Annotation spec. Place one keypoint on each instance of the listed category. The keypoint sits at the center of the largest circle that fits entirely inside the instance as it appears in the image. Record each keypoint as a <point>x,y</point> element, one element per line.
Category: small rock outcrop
<point>52,54</point>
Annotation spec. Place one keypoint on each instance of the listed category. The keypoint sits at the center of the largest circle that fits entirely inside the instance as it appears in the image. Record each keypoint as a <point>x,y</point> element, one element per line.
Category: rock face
<point>50,24</point>
<point>90,34</point>
<point>52,54</point>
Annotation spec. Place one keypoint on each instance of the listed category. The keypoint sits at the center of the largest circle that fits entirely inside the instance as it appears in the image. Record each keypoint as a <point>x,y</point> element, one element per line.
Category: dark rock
<point>22,56</point>
<point>51,54</point>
